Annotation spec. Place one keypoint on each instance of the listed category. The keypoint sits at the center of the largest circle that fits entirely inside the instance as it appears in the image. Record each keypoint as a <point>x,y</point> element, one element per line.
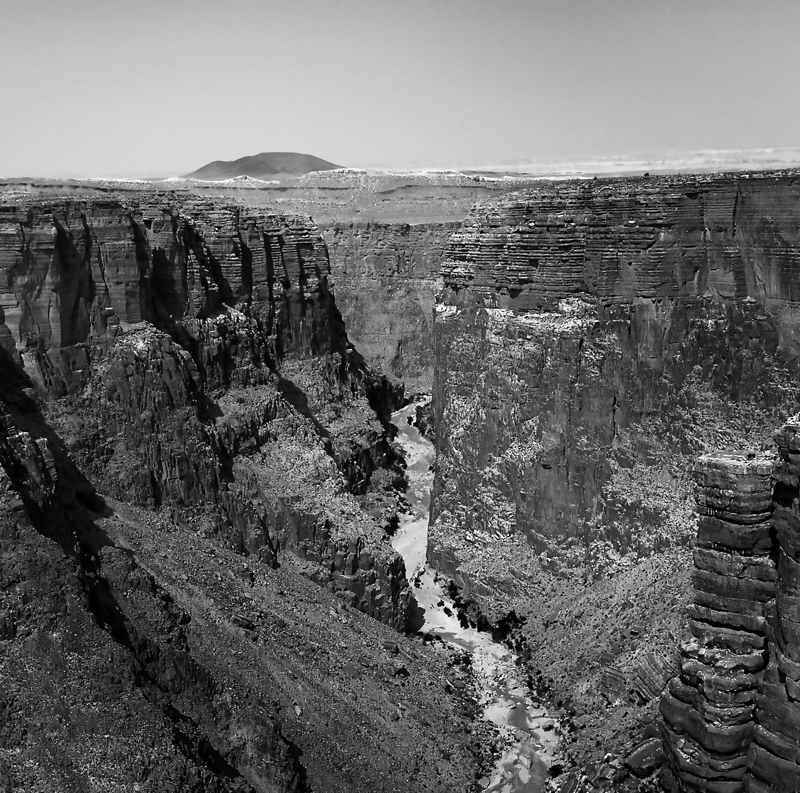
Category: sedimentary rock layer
<point>773,761</point>
<point>591,337</point>
<point>196,359</point>
<point>386,277</point>
<point>709,709</point>
<point>732,718</point>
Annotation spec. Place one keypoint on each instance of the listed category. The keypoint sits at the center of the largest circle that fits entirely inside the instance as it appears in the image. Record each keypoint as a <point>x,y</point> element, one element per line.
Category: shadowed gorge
<point>184,388</point>
<point>234,584</point>
<point>127,316</point>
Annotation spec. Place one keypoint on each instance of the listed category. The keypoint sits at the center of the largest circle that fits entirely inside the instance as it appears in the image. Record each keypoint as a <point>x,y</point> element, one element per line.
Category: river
<point>525,727</point>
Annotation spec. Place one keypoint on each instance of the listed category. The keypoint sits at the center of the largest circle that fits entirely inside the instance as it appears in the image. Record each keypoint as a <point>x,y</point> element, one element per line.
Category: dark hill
<point>267,165</point>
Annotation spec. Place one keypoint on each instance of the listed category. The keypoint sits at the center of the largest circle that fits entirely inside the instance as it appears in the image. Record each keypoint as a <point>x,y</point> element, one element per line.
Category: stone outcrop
<point>386,277</point>
<point>593,336</point>
<point>138,654</point>
<point>709,710</point>
<point>196,360</point>
<point>773,761</point>
<point>732,717</point>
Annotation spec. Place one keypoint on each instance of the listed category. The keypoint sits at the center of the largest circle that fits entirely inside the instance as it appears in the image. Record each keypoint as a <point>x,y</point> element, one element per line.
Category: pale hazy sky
<point>160,87</point>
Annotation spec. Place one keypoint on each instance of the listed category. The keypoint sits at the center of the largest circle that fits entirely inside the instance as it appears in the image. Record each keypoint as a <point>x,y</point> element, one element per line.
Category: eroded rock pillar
<point>774,758</point>
<point>709,709</point>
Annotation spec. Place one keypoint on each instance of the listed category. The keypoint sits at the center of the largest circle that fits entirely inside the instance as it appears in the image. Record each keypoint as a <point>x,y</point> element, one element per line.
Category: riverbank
<point>526,730</point>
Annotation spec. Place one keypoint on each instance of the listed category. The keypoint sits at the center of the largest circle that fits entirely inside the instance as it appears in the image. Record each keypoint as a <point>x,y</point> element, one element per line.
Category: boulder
<point>645,758</point>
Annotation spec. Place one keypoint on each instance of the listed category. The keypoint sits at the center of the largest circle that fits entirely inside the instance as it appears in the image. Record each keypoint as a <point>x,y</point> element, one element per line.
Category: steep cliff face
<point>591,340</point>
<point>197,360</point>
<point>179,407</point>
<point>592,335</point>
<point>773,760</point>
<point>387,277</point>
<point>732,717</point>
<point>709,710</point>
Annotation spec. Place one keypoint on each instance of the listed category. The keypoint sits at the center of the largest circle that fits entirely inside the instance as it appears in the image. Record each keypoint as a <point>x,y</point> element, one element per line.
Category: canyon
<point>199,483</point>
<point>203,491</point>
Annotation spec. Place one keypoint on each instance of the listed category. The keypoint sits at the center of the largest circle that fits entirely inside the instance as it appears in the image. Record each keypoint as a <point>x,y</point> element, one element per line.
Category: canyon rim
<point>400,397</point>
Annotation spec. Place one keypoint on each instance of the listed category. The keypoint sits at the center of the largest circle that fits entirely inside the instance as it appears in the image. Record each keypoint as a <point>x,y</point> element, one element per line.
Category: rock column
<point>774,757</point>
<point>709,708</point>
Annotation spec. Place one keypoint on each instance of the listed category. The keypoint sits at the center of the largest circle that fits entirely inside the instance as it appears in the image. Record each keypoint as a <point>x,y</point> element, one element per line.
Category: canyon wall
<point>591,338</point>
<point>195,359</point>
<point>139,653</point>
<point>386,277</point>
<point>197,480</point>
<point>709,710</point>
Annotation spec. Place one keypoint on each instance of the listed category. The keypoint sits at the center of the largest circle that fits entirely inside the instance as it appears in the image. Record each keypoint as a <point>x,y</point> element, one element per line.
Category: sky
<point>161,87</point>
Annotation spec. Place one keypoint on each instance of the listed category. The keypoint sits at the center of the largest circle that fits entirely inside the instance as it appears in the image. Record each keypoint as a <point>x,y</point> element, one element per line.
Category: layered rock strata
<point>387,277</point>
<point>591,337</point>
<point>196,360</point>
<point>773,761</point>
<point>709,711</point>
<point>732,718</point>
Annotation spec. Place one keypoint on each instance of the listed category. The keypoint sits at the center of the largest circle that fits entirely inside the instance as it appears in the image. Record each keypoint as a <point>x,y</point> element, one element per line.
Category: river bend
<point>525,727</point>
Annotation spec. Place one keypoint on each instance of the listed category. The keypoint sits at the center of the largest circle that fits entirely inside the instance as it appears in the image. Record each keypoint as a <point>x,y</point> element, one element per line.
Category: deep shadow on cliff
<point>195,358</point>
<point>199,625</point>
<point>87,628</point>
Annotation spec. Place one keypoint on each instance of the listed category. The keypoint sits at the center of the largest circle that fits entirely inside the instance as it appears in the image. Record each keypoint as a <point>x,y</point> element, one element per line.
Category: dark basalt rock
<point>645,758</point>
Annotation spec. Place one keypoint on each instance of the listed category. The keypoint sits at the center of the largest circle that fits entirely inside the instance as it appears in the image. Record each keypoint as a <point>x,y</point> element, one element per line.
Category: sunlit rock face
<point>590,339</point>
<point>195,359</point>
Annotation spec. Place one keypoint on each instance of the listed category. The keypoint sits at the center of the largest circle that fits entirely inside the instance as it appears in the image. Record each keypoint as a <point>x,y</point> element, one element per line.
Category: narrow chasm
<point>526,732</point>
